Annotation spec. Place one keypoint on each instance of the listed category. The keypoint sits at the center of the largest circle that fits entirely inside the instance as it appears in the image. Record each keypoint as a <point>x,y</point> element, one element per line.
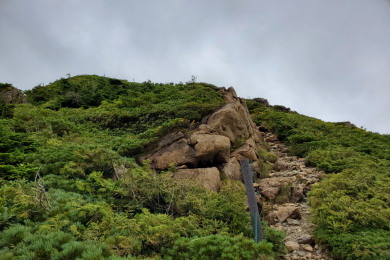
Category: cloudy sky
<point>328,59</point>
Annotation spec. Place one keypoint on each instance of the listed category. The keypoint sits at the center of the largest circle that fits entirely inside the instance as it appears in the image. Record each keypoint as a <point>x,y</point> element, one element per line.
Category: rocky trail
<point>284,192</point>
<point>202,155</point>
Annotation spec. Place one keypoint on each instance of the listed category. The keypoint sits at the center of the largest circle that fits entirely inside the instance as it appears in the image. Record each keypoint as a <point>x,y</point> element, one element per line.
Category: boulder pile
<point>214,148</point>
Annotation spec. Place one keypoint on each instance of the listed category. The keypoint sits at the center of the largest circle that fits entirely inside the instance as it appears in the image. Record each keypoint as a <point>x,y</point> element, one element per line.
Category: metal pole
<point>247,175</point>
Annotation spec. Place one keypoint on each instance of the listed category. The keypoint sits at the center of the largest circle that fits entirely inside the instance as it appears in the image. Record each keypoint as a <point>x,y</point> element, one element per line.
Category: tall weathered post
<point>247,175</point>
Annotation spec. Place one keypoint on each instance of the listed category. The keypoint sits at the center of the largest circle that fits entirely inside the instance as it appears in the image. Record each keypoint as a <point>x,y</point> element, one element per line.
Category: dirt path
<point>285,193</point>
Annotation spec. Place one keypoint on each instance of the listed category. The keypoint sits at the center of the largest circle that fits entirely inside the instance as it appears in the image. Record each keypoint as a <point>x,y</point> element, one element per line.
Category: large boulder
<point>199,150</point>
<point>177,153</point>
<point>209,178</point>
<point>210,149</point>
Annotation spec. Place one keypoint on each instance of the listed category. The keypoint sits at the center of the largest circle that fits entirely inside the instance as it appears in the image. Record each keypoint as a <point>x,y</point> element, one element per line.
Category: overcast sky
<point>328,59</point>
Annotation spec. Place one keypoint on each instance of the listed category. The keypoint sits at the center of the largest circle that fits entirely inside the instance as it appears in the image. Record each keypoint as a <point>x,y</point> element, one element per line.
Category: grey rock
<point>306,240</point>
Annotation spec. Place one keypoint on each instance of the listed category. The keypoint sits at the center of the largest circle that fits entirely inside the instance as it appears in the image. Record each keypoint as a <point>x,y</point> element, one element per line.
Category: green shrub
<point>265,163</point>
<point>6,110</point>
<point>335,159</point>
<point>364,244</point>
<point>14,148</point>
<point>219,247</point>
<point>275,237</point>
<point>284,194</point>
<point>19,202</point>
<point>237,143</point>
<point>30,243</point>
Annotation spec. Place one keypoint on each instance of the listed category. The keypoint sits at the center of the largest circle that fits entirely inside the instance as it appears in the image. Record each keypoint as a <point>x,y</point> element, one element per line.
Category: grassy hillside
<point>351,205</point>
<point>61,154</point>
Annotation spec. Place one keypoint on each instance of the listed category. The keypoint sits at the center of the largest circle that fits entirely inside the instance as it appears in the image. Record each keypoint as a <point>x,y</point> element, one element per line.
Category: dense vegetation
<point>351,205</point>
<point>5,108</point>
<point>71,187</point>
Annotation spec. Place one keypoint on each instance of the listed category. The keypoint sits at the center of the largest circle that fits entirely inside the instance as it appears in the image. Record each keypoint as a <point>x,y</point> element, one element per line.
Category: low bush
<point>219,247</point>
<point>265,163</point>
<point>26,242</point>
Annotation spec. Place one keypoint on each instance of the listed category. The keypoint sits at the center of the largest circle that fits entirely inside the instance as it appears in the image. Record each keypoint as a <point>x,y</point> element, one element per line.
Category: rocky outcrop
<point>233,121</point>
<point>200,149</point>
<point>262,101</point>
<point>346,123</point>
<point>220,141</point>
<point>11,95</point>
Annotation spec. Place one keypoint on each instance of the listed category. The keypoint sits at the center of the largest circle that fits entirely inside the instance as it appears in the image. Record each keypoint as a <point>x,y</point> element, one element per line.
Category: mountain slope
<point>72,184</point>
<point>351,205</point>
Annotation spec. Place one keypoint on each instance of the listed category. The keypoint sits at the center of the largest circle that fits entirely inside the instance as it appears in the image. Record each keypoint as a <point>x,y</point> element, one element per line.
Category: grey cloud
<point>326,58</point>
